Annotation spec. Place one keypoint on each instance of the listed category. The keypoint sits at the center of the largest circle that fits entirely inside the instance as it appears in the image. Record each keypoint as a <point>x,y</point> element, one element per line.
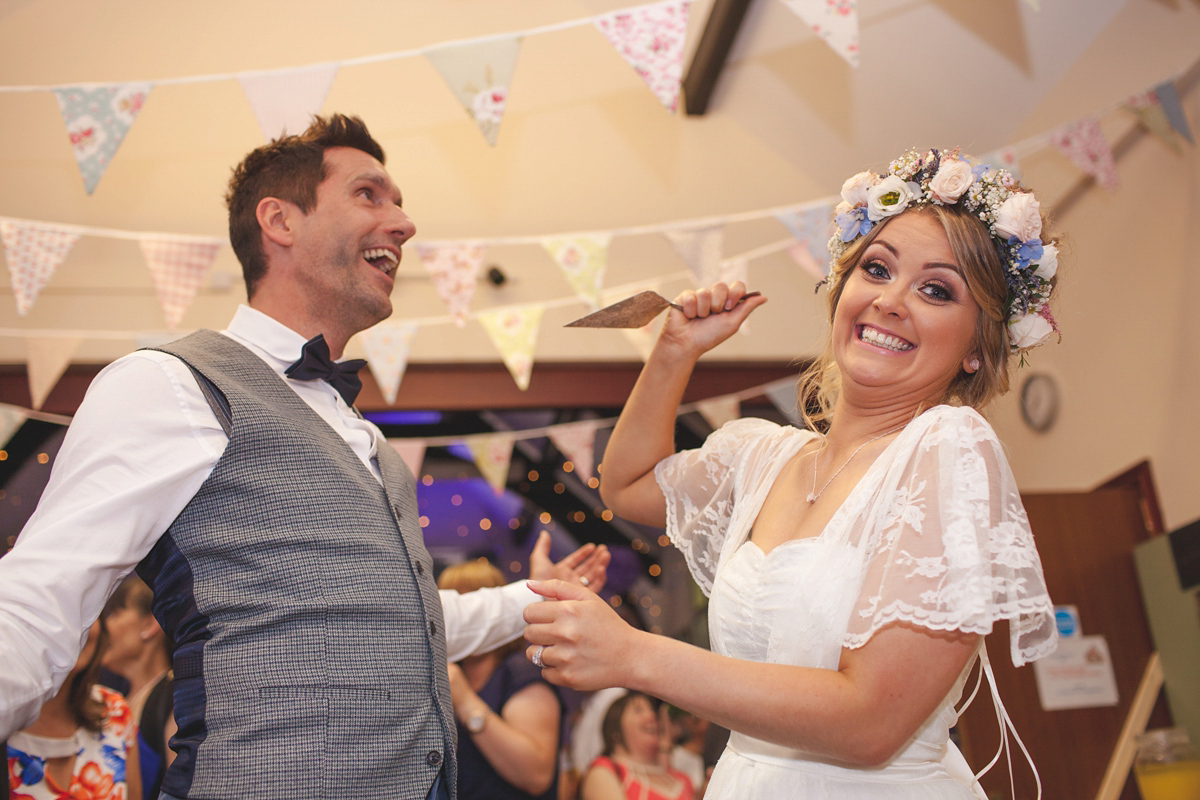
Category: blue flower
<point>1025,252</point>
<point>853,223</point>
<point>32,769</point>
<point>115,761</point>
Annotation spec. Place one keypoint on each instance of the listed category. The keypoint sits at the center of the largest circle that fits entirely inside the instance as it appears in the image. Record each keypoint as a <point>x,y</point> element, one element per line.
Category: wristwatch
<point>477,721</point>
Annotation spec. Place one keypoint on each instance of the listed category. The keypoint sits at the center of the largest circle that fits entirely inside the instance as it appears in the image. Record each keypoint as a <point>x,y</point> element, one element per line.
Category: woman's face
<point>639,727</point>
<point>125,626</point>
<point>905,324</point>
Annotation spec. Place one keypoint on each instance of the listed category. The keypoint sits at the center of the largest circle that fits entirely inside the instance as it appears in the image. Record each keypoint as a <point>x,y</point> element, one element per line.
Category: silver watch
<point>477,721</point>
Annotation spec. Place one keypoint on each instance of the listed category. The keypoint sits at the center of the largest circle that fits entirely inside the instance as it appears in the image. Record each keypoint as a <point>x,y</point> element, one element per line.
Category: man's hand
<point>587,566</point>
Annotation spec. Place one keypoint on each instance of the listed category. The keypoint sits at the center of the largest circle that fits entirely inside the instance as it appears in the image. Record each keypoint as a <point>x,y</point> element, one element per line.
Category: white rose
<point>1019,217</point>
<point>854,190</point>
<point>842,208</point>
<point>1029,331</point>
<point>952,179</point>
<point>1047,265</point>
<point>887,198</point>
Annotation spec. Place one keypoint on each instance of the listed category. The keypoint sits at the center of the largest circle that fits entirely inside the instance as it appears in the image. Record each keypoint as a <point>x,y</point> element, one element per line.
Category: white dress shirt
<point>142,443</point>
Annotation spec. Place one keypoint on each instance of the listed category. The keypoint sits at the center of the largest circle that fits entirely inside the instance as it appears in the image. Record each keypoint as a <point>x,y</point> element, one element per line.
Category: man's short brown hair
<point>289,168</point>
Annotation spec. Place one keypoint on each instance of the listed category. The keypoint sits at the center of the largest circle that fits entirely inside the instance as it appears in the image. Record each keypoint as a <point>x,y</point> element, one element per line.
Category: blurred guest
<point>687,753</point>
<point>635,761</point>
<point>83,742</point>
<point>508,716</point>
<point>139,652</point>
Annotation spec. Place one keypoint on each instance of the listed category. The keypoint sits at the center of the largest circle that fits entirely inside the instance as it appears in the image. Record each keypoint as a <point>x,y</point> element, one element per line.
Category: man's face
<point>347,247</point>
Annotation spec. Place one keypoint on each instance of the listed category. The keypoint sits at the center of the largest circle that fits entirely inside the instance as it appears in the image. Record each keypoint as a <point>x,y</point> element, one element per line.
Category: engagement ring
<point>537,656</point>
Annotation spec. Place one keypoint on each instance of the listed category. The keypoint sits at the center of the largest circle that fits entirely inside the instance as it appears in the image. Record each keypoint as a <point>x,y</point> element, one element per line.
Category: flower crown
<point>1011,215</point>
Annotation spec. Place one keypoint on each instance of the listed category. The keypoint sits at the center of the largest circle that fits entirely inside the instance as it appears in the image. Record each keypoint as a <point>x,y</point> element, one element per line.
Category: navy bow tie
<point>314,363</point>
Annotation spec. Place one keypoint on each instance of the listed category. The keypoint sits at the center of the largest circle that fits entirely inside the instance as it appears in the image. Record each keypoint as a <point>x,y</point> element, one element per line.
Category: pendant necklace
<point>814,494</point>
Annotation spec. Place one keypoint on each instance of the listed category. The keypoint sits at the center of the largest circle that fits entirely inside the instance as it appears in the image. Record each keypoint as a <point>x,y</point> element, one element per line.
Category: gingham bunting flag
<point>387,347</point>
<point>178,267</point>
<point>700,248</point>
<point>11,418</point>
<point>720,410</point>
<point>33,252</point>
<point>455,269</point>
<point>48,360</point>
<point>412,451</point>
<point>834,21</point>
<point>583,260</point>
<point>577,441</point>
<point>1168,97</point>
<point>492,454</point>
<point>97,120</point>
<point>514,332</point>
<point>1083,142</point>
<point>479,73</point>
<point>810,227</point>
<point>285,102</point>
<point>651,39</point>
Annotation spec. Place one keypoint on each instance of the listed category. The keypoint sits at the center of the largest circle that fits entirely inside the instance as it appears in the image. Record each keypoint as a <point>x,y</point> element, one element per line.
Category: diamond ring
<point>537,657</point>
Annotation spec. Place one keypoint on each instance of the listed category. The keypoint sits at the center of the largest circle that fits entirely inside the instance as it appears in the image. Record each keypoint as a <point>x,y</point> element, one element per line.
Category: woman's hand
<point>585,645</point>
<point>708,317</point>
<point>587,566</point>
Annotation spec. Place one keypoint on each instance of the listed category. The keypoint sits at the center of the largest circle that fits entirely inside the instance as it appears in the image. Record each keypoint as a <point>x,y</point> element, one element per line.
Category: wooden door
<point>1086,541</point>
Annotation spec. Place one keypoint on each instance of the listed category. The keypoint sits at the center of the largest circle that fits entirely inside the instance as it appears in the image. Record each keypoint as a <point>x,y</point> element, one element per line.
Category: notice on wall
<point>1079,674</point>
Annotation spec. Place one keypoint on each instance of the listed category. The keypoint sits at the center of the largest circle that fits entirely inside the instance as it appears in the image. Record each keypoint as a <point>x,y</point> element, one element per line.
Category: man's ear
<point>275,220</point>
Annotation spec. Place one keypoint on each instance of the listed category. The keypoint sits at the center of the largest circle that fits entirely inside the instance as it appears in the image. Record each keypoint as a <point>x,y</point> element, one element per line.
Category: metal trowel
<point>632,312</point>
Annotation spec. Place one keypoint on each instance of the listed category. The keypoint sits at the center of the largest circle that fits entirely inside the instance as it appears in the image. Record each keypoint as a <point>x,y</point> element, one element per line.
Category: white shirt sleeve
<point>140,446</point>
<point>484,619</point>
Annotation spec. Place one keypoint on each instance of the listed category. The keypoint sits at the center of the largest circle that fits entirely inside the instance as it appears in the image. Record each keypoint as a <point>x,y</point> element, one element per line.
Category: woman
<point>83,743</point>
<point>634,764</point>
<point>854,573</point>
<point>508,716</point>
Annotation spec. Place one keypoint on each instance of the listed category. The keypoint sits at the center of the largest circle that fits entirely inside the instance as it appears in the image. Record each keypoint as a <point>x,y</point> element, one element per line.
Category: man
<point>278,531</point>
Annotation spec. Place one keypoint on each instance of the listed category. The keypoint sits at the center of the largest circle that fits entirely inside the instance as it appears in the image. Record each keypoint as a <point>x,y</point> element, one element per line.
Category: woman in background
<point>635,764</point>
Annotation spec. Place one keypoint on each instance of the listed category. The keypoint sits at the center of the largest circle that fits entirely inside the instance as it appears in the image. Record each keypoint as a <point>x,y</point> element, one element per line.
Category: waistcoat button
<point>433,629</point>
<point>434,758</point>
<point>420,568</point>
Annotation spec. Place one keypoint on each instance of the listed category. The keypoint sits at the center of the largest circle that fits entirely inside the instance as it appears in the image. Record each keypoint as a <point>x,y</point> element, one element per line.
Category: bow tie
<point>314,363</point>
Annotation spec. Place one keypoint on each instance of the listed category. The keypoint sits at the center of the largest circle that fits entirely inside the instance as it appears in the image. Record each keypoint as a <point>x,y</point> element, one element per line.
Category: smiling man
<point>277,528</point>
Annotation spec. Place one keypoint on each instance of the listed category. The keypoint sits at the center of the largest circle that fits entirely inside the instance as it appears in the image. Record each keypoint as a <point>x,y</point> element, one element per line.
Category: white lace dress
<point>934,535</point>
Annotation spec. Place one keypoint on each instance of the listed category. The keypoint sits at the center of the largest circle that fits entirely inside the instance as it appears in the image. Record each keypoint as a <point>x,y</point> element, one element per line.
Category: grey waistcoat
<point>310,657</point>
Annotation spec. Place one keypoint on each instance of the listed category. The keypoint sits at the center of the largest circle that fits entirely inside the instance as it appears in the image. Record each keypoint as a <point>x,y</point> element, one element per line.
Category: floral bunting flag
<point>11,418</point>
<point>48,360</point>
<point>583,260</point>
<point>479,74</point>
<point>1168,97</point>
<point>285,102</point>
<point>492,454</point>
<point>651,39</point>
<point>700,248</point>
<point>782,395</point>
<point>810,227</point>
<point>97,120</point>
<point>1004,158</point>
<point>412,451</point>
<point>834,21</point>
<point>1083,142</point>
<point>178,267</point>
<point>577,441</point>
<point>455,270</point>
<point>1150,113</point>
<point>514,332</point>
<point>387,347</point>
<point>720,410</point>
<point>33,252</point>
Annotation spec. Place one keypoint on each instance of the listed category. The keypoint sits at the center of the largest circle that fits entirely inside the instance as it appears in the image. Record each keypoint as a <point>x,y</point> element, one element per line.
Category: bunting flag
<point>48,360</point>
<point>783,396</point>
<point>412,451</point>
<point>810,227</point>
<point>583,260</point>
<point>700,248</point>
<point>285,102</point>
<point>1036,5</point>
<point>1168,97</point>
<point>97,120</point>
<point>720,410</point>
<point>387,347</point>
<point>11,419</point>
<point>178,267</point>
<point>651,39</point>
<point>642,338</point>
<point>455,270</point>
<point>1005,158</point>
<point>478,74</point>
<point>492,454</point>
<point>514,332</point>
<point>577,441</point>
<point>1083,142</point>
<point>33,252</point>
<point>834,21</point>
<point>1150,113</point>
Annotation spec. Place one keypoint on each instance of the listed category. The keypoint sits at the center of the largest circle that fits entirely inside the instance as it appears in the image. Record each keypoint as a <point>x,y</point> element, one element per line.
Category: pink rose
<point>1019,217</point>
<point>854,190</point>
<point>1047,265</point>
<point>952,179</point>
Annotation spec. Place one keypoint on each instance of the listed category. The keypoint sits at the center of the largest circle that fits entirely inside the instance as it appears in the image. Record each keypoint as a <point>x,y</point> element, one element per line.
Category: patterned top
<point>635,789</point>
<point>99,772</point>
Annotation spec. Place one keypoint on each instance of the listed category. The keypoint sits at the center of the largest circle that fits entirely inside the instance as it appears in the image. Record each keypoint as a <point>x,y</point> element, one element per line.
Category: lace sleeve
<point>949,546</point>
<point>700,490</point>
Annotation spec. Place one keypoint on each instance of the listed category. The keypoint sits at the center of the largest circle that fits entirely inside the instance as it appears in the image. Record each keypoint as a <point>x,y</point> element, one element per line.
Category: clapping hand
<point>587,566</point>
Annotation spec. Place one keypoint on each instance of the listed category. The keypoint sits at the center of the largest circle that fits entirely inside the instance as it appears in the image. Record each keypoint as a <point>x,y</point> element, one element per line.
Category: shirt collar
<point>274,342</point>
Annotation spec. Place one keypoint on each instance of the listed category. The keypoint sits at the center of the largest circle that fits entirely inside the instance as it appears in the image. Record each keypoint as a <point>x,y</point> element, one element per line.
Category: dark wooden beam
<point>724,21</point>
